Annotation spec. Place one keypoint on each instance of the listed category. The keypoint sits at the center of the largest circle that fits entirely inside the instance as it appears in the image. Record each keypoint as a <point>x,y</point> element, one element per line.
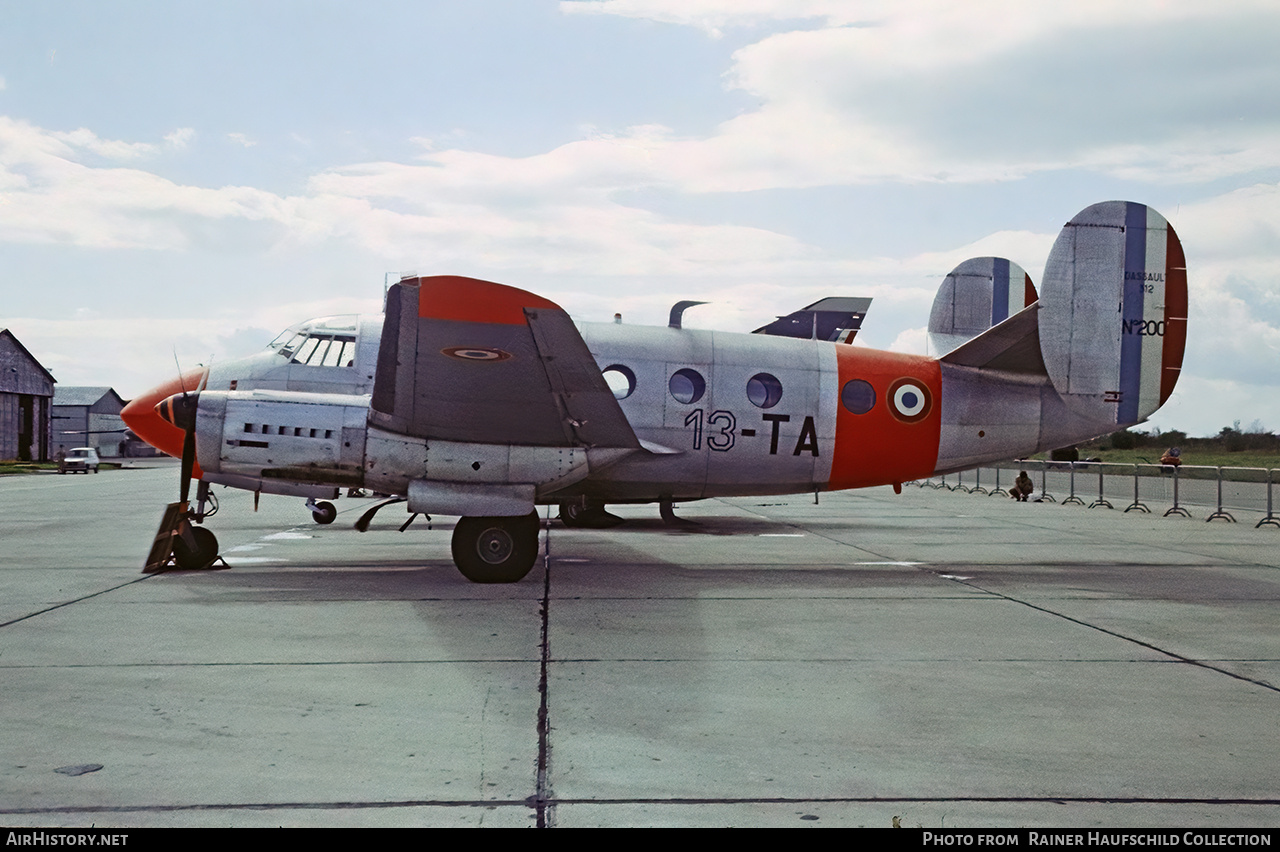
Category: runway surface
<point>950,659</point>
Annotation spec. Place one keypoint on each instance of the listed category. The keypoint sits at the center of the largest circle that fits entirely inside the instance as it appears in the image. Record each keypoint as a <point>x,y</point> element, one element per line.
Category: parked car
<point>81,458</point>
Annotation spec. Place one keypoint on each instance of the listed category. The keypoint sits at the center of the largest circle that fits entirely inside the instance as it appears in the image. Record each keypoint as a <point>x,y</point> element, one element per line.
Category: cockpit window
<point>335,357</point>
<point>326,351</point>
<point>286,344</point>
<point>306,350</point>
<point>314,335</point>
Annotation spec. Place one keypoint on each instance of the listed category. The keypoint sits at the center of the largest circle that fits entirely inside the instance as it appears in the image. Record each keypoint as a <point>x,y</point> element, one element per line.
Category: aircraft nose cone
<point>141,415</point>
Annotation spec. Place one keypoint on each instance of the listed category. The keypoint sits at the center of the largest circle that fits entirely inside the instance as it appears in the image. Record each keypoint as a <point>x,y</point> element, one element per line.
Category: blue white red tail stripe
<point>999,290</point>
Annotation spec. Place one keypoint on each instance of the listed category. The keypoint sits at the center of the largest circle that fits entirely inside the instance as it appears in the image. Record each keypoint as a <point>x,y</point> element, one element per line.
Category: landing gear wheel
<point>205,552</point>
<point>574,513</point>
<point>495,550</point>
<point>587,514</point>
<point>324,512</point>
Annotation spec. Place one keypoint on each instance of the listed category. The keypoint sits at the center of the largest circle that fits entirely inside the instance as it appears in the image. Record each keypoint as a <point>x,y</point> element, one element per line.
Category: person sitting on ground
<point>1022,487</point>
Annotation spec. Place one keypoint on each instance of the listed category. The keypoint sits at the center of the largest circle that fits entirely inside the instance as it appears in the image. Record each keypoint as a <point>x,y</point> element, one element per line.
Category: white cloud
<point>995,19</point>
<point>549,213</point>
<point>181,137</point>
<point>86,140</point>
<point>912,341</point>
<point>921,91</point>
<point>241,139</point>
<point>51,196</point>
<point>709,15</point>
<point>1202,406</point>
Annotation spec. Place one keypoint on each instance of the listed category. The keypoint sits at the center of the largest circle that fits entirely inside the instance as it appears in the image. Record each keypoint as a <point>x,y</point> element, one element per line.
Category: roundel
<point>476,353</point>
<point>909,400</point>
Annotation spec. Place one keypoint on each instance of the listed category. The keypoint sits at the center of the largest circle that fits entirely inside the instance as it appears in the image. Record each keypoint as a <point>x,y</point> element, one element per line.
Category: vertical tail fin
<point>977,294</point>
<point>1113,312</point>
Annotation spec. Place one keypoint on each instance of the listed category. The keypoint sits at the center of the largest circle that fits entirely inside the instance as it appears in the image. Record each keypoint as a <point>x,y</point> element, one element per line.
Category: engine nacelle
<point>282,442</point>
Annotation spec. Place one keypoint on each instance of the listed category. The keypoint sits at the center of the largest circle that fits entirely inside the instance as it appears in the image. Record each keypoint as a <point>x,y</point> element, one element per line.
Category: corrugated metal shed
<point>26,389</point>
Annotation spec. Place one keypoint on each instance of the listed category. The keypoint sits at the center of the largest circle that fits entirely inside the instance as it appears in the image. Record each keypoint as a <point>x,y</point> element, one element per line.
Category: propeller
<point>180,410</point>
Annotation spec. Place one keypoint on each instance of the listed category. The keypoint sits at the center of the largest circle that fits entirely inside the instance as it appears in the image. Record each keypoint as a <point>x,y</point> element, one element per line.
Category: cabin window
<point>621,380</point>
<point>858,396</point>
<point>764,390</point>
<point>687,386</point>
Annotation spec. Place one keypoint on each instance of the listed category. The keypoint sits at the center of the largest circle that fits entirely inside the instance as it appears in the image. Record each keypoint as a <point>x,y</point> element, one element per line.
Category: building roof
<point>6,333</point>
<point>69,395</point>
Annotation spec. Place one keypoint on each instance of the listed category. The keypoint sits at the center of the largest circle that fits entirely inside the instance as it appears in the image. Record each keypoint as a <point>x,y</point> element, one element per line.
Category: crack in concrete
<point>542,802</point>
<point>534,802</point>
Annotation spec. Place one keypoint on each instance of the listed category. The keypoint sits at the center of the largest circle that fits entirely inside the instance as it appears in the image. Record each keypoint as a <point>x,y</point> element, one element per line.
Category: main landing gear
<point>496,550</point>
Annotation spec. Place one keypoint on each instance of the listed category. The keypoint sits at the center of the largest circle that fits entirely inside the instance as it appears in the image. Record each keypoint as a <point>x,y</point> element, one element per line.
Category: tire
<point>324,512</point>
<point>496,550</point>
<point>573,514</point>
<point>202,557</point>
<point>587,515</point>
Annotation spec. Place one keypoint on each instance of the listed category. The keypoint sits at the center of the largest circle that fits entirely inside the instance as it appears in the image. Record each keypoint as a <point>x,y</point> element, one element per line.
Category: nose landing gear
<point>179,543</point>
<point>200,555</point>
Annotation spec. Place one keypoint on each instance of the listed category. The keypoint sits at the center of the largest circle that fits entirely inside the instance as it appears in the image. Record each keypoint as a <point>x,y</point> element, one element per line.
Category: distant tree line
<point>1232,439</point>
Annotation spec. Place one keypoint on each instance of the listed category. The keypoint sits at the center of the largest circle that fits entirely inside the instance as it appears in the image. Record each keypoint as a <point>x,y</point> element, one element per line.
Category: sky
<point>180,181</point>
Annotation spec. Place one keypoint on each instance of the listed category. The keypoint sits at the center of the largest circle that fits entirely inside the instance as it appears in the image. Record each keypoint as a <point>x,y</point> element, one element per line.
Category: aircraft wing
<point>469,360</point>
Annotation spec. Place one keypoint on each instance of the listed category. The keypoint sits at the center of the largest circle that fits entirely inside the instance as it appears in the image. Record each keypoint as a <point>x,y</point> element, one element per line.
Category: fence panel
<point>1200,491</point>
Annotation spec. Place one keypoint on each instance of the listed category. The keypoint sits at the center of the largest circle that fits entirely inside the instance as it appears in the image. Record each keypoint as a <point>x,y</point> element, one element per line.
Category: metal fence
<point>1215,493</point>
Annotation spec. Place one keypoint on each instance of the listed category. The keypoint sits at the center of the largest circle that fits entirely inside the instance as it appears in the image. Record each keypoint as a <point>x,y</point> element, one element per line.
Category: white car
<point>81,458</point>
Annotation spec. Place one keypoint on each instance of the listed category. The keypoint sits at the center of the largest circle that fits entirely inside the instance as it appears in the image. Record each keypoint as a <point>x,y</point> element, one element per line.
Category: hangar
<point>88,417</point>
<point>26,391</point>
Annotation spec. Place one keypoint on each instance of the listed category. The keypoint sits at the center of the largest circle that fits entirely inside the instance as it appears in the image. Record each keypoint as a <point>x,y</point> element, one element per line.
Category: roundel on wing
<point>909,400</point>
<point>476,353</point>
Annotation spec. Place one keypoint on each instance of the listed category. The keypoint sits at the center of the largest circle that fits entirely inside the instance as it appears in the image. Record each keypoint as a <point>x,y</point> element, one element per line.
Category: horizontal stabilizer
<point>979,293</point>
<point>1113,312</point>
<point>1012,346</point>
<point>835,318</point>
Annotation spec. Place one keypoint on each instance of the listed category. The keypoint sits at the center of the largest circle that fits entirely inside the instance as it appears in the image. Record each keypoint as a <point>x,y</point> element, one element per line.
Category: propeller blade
<point>180,410</point>
<point>188,463</point>
<point>367,518</point>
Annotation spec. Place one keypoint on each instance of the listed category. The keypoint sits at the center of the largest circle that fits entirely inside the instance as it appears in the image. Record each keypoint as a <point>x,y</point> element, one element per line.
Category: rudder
<point>1113,312</point>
